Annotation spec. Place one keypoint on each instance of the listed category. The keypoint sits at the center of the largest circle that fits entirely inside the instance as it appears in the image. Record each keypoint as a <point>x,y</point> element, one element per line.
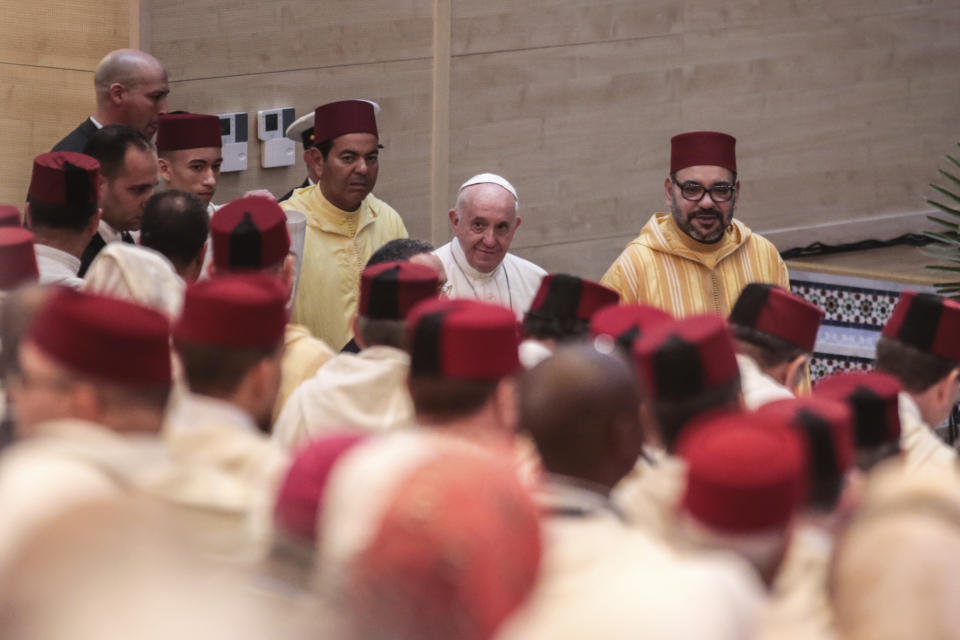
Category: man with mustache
<point>696,258</point>
<point>346,223</point>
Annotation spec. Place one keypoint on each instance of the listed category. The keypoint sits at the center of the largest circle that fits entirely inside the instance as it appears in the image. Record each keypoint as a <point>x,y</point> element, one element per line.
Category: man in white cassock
<point>478,266</point>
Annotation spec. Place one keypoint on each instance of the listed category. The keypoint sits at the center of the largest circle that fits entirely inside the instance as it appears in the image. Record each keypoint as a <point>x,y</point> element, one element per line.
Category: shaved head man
<point>131,88</point>
<point>581,407</point>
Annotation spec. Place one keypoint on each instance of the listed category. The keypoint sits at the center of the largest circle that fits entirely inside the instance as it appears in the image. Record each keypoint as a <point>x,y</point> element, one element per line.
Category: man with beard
<point>230,340</point>
<point>697,258</point>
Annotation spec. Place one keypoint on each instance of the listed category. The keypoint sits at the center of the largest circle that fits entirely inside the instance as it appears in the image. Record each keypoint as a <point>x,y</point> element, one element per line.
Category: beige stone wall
<point>48,51</point>
<point>843,110</point>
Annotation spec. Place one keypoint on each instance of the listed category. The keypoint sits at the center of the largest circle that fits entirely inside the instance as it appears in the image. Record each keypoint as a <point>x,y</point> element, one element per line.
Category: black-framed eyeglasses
<point>694,191</point>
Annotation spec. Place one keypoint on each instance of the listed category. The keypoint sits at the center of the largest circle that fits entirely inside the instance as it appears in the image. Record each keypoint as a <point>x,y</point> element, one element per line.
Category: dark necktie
<point>126,237</point>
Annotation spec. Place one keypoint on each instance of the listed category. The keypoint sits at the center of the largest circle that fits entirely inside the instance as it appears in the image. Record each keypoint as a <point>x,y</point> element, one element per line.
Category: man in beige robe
<point>63,213</point>
<point>872,398</point>
<point>920,346</point>
<point>464,361</point>
<point>250,234</point>
<point>800,600</point>
<point>93,381</point>
<point>775,332</point>
<point>346,223</point>
<point>229,339</point>
<point>745,479</point>
<point>368,389</point>
<point>686,369</point>
<point>582,408</point>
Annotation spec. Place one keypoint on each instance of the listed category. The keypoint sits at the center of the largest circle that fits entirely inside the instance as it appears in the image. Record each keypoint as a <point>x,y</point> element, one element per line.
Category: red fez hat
<point>300,499</point>
<point>104,338</point>
<point>462,339</point>
<point>9,216</point>
<point>249,233</point>
<point>564,296</point>
<point>188,131</point>
<point>777,312</point>
<point>676,360</point>
<point>64,178</point>
<point>703,148</point>
<point>235,311</point>
<point>827,428</point>
<point>745,473</point>
<point>926,322</point>
<point>873,400</point>
<point>340,118</point>
<point>626,323</point>
<point>458,543</point>
<point>390,289</point>
<point>18,261</point>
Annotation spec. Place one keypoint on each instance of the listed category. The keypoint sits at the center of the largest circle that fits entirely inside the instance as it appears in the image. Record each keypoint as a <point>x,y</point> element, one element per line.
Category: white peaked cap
<point>300,125</point>
<point>490,178</point>
<point>376,107</point>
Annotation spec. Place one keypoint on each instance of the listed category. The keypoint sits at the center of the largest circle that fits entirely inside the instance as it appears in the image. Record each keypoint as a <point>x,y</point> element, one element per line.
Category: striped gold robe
<point>665,268</point>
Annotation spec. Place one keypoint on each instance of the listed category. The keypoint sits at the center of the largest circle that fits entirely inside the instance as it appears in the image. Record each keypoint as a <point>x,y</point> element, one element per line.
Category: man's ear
<point>116,93</point>
<point>85,403</point>
<point>314,160</point>
<point>668,192</point>
<point>946,387</point>
<point>454,219</point>
<point>94,223</point>
<point>201,255</point>
<point>164,166</point>
<point>517,224</point>
<point>506,410</point>
<point>795,370</point>
<point>27,217</point>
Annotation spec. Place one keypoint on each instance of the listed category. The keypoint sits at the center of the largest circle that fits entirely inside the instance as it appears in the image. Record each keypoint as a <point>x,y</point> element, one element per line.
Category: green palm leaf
<point>947,248</point>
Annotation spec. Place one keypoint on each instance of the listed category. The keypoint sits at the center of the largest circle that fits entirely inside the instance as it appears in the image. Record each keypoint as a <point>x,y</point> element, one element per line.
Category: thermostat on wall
<point>276,150</point>
<point>234,134</point>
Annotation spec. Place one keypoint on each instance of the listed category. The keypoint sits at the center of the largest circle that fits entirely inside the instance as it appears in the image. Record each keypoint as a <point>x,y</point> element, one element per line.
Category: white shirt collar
<point>909,408</point>
<point>566,496</point>
<point>195,409</point>
<point>96,124</point>
<point>108,233</point>
<point>68,260</point>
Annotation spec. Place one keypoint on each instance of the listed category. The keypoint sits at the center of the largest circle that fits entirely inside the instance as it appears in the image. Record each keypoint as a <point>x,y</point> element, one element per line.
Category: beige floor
<point>899,264</point>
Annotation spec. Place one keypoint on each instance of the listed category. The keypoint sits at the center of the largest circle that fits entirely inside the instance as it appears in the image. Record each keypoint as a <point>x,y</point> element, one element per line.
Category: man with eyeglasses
<point>696,258</point>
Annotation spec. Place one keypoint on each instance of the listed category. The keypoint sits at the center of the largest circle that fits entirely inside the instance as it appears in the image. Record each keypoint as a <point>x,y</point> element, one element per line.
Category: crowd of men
<point>209,433</point>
